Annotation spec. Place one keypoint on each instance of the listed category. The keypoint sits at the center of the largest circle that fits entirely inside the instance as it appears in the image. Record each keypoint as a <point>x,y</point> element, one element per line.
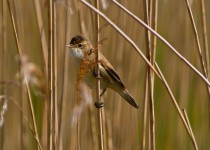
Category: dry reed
<point>48,26</point>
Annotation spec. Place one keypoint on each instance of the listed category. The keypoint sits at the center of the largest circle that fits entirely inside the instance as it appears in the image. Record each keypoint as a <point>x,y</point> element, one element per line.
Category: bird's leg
<point>102,93</point>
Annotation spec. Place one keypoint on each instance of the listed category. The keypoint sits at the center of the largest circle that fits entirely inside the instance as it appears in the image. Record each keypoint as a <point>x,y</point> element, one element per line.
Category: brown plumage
<point>83,53</point>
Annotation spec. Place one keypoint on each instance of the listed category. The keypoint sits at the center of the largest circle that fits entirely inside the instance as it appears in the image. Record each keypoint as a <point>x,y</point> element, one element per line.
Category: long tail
<point>126,95</point>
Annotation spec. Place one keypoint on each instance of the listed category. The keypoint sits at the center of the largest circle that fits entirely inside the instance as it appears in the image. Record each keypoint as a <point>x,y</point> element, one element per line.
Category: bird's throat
<point>77,53</point>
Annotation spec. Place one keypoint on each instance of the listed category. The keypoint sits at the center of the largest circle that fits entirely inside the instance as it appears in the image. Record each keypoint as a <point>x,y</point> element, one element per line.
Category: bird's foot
<point>99,104</point>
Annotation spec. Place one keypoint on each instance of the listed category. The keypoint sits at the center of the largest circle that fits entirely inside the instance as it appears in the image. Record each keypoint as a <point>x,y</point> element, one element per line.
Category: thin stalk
<point>205,37</point>
<point>188,123</point>
<point>175,104</point>
<point>164,41</point>
<point>26,82</point>
<point>105,136</point>
<point>143,142</point>
<point>151,104</point>
<point>3,62</point>
<point>109,133</point>
<point>154,26</point>
<point>64,78</point>
<point>150,86</point>
<point>93,125</point>
<point>98,99</point>
<point>147,91</point>
<point>51,78</point>
<point>206,47</point>
<point>42,32</point>
<point>78,132</point>
<point>55,70</point>
<point>151,76</point>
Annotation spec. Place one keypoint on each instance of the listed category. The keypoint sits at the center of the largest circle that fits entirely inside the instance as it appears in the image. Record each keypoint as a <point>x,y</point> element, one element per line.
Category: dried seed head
<point>31,73</point>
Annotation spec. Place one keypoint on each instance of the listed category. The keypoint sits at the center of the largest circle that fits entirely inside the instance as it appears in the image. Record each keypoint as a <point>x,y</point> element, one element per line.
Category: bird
<point>83,54</point>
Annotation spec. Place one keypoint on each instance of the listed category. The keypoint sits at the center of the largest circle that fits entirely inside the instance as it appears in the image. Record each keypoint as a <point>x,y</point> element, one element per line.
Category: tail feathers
<point>126,95</point>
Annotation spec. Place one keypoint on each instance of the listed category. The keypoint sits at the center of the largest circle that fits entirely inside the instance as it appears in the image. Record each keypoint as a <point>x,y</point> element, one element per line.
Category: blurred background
<point>123,125</point>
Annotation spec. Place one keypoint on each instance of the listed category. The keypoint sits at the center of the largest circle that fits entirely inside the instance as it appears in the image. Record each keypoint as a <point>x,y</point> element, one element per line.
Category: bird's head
<point>79,46</point>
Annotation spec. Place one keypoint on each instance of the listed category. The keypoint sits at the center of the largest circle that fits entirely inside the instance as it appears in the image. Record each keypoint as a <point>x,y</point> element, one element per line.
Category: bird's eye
<point>79,45</point>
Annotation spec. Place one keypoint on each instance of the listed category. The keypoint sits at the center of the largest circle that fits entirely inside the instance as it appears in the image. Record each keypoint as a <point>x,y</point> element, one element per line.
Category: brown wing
<point>109,73</point>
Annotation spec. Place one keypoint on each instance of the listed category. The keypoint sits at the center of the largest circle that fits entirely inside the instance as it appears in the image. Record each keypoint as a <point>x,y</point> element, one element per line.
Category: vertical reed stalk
<point>55,71</point>
<point>205,36</point>
<point>20,52</point>
<point>206,47</point>
<point>93,125</point>
<point>109,133</point>
<point>42,32</point>
<point>154,26</point>
<point>3,72</point>
<point>51,77</point>
<point>65,77</point>
<point>150,19</point>
<point>145,112</point>
<point>98,99</point>
<point>150,74</point>
<point>22,105</point>
<point>78,128</point>
<point>149,77</point>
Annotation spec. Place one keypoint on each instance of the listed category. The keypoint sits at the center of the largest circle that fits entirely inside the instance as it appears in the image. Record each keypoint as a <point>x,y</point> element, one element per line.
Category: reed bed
<point>160,49</point>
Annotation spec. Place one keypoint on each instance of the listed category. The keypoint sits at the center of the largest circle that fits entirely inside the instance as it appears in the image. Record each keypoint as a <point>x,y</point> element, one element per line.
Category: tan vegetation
<point>167,74</point>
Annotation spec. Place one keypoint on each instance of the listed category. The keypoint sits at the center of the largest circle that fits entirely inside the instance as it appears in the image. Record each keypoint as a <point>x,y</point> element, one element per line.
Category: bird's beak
<point>69,45</point>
